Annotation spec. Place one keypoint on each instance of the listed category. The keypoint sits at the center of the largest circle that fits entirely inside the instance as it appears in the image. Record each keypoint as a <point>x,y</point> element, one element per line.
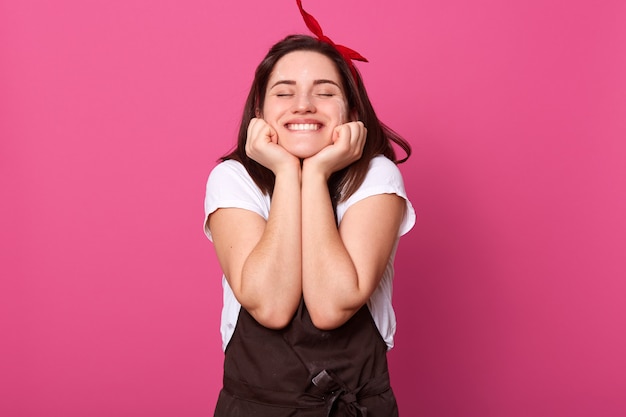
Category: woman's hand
<point>347,147</point>
<point>262,146</point>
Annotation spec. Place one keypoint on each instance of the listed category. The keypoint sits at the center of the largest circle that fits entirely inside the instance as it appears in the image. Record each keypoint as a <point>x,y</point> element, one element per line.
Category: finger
<point>358,134</point>
<point>358,131</point>
<point>255,135</point>
<point>258,129</point>
<point>253,128</point>
<point>354,132</point>
<point>272,135</point>
<point>262,129</point>
<point>344,133</point>
<point>336,133</point>
<point>359,128</point>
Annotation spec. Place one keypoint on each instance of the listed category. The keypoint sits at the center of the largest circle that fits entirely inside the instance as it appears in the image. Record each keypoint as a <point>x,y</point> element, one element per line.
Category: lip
<point>303,121</point>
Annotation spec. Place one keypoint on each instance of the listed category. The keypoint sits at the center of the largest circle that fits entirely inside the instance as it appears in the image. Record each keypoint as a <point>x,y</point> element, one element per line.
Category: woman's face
<point>304,102</point>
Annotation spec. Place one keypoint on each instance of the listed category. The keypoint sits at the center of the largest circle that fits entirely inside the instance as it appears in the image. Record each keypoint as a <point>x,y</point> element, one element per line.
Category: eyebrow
<point>316,82</point>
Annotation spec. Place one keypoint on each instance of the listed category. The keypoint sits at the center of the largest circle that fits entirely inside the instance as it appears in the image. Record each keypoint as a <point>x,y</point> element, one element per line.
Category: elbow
<point>329,314</point>
<point>330,319</point>
<point>273,318</point>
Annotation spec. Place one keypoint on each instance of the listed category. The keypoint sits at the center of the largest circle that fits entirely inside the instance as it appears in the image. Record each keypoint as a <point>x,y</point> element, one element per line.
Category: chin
<point>305,150</point>
<point>303,155</point>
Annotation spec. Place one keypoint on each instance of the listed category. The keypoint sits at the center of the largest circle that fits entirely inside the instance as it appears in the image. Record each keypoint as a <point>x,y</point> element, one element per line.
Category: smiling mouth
<point>303,126</point>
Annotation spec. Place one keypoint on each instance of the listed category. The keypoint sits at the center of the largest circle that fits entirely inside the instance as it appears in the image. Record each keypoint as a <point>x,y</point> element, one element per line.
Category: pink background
<point>510,290</point>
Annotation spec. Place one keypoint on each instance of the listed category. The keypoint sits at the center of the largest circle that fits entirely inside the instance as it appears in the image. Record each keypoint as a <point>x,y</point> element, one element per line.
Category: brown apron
<point>301,371</point>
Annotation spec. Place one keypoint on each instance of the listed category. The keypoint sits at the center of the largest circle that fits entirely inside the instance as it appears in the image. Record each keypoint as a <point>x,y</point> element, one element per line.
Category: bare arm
<point>341,268</point>
<point>262,260</point>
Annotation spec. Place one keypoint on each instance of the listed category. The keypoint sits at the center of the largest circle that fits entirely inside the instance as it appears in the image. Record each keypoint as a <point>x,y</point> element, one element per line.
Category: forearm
<point>271,280</point>
<point>329,278</point>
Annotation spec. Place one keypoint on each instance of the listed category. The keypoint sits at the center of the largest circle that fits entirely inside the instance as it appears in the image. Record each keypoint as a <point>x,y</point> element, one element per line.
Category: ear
<point>258,113</point>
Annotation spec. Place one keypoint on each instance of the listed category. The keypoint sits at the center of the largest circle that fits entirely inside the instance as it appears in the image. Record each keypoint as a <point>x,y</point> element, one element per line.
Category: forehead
<point>302,66</point>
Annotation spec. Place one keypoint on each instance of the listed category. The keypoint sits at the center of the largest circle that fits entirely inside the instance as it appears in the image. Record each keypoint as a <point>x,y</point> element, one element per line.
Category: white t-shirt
<point>230,186</point>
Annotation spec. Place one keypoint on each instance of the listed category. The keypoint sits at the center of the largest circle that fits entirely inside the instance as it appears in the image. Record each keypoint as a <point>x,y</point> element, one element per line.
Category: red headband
<point>348,54</point>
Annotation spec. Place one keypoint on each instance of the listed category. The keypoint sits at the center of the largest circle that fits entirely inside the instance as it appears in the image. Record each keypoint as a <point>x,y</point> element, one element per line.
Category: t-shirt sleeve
<point>230,186</point>
<point>383,177</point>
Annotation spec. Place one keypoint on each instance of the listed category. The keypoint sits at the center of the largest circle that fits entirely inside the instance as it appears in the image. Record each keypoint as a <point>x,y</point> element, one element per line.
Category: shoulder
<point>383,177</point>
<point>382,162</point>
<point>230,178</point>
<point>230,186</point>
<point>381,170</point>
<point>229,171</point>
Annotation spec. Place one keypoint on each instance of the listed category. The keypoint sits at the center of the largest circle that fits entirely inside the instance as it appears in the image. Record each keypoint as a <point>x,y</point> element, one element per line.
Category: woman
<point>305,216</point>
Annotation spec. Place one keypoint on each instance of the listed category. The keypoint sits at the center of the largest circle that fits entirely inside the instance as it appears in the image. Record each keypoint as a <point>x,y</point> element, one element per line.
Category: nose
<point>303,104</point>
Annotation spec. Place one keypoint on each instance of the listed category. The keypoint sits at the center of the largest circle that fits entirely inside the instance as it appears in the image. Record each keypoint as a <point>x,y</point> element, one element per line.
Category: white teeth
<point>303,126</point>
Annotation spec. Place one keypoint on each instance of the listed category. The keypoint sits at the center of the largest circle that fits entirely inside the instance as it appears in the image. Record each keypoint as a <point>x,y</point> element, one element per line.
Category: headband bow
<point>348,54</point>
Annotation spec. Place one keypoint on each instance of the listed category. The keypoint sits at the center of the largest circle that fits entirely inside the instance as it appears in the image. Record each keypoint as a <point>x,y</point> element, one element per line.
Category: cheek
<point>269,115</point>
<point>342,111</point>
<point>343,116</point>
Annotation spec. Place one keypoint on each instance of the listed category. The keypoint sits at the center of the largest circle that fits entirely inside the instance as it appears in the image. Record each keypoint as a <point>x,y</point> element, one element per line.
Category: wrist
<point>312,171</point>
<point>288,168</point>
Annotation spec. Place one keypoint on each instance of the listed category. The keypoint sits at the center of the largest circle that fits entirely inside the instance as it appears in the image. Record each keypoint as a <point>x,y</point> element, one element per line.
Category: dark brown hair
<point>342,183</point>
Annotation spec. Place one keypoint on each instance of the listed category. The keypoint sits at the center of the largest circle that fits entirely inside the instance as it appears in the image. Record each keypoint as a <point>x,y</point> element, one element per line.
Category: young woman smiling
<point>305,216</point>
